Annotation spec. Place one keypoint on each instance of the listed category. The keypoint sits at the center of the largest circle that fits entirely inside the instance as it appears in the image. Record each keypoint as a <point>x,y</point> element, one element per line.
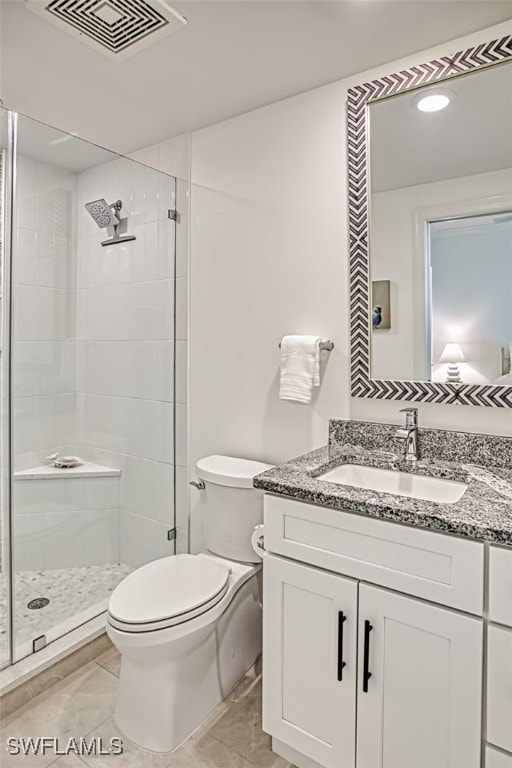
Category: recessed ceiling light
<point>433,103</point>
<point>433,100</point>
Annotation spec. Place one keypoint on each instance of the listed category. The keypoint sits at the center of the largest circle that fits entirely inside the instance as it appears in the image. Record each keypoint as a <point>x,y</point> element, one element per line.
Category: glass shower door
<point>93,365</point>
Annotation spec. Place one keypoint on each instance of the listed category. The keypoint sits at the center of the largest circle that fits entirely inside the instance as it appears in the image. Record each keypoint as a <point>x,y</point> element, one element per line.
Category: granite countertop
<point>484,512</point>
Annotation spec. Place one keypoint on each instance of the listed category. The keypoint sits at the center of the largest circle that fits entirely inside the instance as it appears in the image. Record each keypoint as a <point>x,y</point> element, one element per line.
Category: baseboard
<point>294,757</point>
<point>26,679</point>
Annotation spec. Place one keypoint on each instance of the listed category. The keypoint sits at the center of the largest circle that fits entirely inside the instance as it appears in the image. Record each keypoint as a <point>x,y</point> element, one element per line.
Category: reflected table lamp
<point>453,355</point>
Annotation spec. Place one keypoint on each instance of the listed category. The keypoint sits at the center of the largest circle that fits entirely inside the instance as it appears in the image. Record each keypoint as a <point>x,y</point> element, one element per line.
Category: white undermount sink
<point>399,483</point>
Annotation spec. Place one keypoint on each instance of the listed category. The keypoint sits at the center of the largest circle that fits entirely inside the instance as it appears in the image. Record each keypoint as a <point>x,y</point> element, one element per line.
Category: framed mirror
<point>430,222</point>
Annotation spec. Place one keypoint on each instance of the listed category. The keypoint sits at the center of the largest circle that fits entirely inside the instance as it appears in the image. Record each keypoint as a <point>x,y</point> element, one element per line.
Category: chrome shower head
<point>107,217</point>
<point>104,215</point>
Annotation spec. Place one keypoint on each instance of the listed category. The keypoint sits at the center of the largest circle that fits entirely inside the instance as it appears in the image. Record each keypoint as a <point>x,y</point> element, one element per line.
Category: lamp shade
<point>452,353</point>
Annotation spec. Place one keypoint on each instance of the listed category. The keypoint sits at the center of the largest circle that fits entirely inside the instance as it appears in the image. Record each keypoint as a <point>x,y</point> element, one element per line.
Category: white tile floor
<point>75,595</point>
<point>83,703</point>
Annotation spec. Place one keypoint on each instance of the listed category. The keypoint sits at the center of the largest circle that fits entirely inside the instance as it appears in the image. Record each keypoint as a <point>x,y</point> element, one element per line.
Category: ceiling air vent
<point>116,28</point>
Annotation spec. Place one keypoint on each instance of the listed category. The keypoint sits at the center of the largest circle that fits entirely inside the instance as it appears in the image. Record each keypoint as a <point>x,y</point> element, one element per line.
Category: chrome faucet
<point>409,433</point>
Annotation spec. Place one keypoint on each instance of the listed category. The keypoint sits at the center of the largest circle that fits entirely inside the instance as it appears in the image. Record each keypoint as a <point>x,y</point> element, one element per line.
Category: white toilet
<point>188,627</point>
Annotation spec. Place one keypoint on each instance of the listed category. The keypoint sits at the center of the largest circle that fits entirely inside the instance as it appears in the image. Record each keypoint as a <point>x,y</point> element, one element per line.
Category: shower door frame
<point>8,188</point>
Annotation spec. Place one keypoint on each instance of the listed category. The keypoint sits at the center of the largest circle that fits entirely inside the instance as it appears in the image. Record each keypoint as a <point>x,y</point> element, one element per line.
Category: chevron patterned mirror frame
<point>362,385</point>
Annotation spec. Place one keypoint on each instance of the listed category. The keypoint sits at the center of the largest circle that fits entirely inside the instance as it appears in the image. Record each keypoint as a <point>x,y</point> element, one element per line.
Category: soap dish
<point>67,462</point>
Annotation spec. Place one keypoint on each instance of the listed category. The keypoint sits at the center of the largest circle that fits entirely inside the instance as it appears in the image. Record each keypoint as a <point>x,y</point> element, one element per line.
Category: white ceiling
<point>233,56</point>
<point>49,145</point>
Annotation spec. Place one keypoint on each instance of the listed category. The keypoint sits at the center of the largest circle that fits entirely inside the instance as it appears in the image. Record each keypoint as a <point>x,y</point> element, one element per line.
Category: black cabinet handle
<point>341,620</point>
<point>366,655</point>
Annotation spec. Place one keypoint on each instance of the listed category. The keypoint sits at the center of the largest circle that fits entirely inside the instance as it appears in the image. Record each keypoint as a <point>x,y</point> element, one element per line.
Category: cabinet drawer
<point>499,687</point>
<point>495,759</point>
<point>500,585</point>
<point>433,566</point>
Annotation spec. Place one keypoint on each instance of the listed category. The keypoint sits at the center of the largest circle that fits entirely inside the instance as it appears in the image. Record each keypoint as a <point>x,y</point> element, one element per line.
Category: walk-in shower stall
<point>88,359</point>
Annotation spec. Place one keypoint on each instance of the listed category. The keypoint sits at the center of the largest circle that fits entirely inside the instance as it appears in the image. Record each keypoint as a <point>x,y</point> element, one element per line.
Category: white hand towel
<point>300,367</point>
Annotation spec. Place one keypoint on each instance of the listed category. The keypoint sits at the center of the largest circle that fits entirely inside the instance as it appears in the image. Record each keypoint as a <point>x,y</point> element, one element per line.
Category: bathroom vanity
<point>388,618</point>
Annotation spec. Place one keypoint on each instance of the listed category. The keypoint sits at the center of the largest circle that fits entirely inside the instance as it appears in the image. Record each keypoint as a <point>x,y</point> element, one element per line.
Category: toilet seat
<point>167,592</point>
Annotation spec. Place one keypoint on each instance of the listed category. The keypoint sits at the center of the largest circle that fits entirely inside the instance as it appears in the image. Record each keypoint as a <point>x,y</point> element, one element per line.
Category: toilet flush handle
<point>199,485</point>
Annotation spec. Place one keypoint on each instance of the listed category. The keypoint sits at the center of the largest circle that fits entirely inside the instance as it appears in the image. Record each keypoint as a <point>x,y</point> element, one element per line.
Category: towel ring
<point>328,346</point>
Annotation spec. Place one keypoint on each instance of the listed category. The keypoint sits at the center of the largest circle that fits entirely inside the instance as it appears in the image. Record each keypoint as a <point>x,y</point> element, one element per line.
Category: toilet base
<point>168,689</point>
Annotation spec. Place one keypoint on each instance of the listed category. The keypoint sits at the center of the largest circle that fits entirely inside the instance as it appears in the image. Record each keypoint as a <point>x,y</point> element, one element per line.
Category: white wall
<point>268,210</point>
<point>269,256</point>
<point>171,156</point>
<point>261,268</point>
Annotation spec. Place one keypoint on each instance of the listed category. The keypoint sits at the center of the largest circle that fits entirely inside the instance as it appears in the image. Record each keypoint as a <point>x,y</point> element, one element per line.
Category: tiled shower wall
<point>125,351</point>
<point>44,312</point>
<point>66,523</point>
<point>94,364</point>
<point>43,355</point>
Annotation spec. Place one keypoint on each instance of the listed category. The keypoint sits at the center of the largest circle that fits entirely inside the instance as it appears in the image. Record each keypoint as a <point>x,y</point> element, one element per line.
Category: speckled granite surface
<point>439,444</point>
<point>483,462</point>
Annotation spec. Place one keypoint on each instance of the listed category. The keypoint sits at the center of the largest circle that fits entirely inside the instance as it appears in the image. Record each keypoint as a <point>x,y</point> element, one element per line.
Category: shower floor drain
<point>38,602</point>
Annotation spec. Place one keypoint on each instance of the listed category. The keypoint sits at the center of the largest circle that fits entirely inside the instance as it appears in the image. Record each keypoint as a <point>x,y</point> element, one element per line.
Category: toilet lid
<point>226,470</point>
<point>167,588</point>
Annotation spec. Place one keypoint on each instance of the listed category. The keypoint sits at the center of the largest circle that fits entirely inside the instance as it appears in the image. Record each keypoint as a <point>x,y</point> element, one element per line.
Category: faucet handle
<point>411,417</point>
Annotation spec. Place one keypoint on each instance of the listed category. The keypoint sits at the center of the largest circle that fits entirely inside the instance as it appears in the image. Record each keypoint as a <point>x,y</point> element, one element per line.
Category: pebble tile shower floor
<point>83,703</point>
<point>70,591</point>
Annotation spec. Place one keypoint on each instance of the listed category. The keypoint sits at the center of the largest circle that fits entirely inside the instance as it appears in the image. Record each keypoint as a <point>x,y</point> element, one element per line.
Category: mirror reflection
<point>440,240</point>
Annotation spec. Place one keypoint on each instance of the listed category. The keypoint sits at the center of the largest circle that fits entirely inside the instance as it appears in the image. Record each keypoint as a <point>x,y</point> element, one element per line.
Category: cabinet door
<point>499,687</point>
<point>500,585</point>
<point>422,706</point>
<point>309,631</point>
<point>495,759</point>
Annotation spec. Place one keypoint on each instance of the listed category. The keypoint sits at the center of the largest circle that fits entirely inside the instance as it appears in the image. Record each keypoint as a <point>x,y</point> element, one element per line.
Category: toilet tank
<point>230,506</point>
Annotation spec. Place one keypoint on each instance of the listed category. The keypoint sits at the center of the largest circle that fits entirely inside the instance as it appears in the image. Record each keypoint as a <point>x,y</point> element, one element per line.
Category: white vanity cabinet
<point>410,691</point>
